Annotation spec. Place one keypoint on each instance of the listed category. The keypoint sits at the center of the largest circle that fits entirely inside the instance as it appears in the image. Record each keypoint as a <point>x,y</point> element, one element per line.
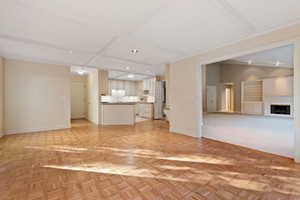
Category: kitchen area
<point>120,97</point>
<point>132,98</point>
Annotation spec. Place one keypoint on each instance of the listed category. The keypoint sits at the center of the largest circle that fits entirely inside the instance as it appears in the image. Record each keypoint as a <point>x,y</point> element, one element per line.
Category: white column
<point>297,99</point>
<point>201,83</point>
<point>1,97</point>
<point>186,98</point>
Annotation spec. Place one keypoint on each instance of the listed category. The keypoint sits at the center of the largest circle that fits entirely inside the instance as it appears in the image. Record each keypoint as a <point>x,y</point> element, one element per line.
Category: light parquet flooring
<point>144,162</point>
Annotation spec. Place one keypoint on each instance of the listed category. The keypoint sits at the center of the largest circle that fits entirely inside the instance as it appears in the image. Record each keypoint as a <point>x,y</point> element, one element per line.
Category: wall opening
<point>249,88</point>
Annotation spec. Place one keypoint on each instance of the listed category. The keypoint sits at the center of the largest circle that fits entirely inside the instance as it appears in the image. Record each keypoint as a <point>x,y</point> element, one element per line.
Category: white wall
<point>252,131</point>
<point>297,99</point>
<point>278,87</point>
<point>93,97</point>
<point>37,96</point>
<point>213,78</point>
<point>1,97</point>
<point>186,98</point>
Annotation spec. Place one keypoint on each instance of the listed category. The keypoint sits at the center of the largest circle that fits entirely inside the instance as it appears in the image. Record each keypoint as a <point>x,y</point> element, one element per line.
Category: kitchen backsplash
<point>150,99</point>
<point>120,99</point>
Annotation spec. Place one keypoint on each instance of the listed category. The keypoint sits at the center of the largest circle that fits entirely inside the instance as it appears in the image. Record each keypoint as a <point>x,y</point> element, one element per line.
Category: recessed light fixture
<point>81,72</point>
<point>70,52</point>
<point>277,63</point>
<point>127,68</point>
<point>130,76</point>
<point>250,62</point>
<point>134,51</point>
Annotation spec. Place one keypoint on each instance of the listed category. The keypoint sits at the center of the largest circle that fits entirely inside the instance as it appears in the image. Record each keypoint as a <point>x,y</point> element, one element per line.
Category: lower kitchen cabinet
<point>145,110</point>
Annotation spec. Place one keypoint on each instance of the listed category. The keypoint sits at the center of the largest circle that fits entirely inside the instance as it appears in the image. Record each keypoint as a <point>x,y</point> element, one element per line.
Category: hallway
<point>141,162</point>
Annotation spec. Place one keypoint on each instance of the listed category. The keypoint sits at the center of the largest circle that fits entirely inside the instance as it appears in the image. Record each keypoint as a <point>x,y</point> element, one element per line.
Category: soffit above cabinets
<point>101,34</point>
<point>117,75</point>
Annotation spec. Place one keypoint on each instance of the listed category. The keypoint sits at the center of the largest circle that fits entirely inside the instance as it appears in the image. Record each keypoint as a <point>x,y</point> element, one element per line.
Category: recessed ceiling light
<point>127,68</point>
<point>134,51</point>
<point>249,62</point>
<point>81,72</point>
<point>277,63</point>
<point>130,76</point>
<point>70,52</point>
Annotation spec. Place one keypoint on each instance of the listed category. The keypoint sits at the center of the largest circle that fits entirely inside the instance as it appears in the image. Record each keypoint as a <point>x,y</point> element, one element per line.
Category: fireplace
<point>280,109</point>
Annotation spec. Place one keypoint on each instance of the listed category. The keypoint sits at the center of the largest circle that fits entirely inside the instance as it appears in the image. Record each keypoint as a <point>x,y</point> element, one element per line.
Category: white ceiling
<point>98,33</point>
<point>284,55</point>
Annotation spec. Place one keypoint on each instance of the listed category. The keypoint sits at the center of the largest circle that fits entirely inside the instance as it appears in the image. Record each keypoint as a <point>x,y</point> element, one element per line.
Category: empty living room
<point>149,100</point>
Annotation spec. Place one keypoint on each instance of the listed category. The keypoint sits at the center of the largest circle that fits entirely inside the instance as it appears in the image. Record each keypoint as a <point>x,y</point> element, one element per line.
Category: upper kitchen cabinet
<point>103,82</point>
<point>149,85</point>
<point>130,88</point>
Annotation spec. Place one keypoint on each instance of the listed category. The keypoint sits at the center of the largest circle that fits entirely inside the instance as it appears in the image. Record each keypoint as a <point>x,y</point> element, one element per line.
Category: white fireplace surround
<point>268,101</point>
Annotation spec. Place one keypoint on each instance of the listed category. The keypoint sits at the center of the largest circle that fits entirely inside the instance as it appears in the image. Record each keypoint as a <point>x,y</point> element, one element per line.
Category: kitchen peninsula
<point>119,113</point>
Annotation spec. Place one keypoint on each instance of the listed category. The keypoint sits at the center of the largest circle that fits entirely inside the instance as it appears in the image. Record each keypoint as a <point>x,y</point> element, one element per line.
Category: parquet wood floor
<point>144,162</point>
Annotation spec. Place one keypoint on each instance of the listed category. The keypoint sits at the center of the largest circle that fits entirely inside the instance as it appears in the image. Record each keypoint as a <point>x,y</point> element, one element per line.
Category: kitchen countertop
<point>246,115</point>
<point>119,103</point>
<point>125,103</point>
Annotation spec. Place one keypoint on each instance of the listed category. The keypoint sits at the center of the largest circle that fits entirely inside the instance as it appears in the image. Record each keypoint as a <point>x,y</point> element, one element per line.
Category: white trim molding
<point>33,130</point>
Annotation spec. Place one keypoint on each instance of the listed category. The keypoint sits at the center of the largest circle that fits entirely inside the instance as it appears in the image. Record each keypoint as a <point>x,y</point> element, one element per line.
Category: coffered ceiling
<point>102,33</point>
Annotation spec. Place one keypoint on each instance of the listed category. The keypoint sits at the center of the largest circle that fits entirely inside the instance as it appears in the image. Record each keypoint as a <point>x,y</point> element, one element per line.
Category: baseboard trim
<point>183,132</point>
<point>33,130</point>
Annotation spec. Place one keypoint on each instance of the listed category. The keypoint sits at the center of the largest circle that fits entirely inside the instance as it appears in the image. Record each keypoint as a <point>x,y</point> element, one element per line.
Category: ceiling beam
<point>128,60</point>
<point>101,51</point>
<point>41,44</point>
<point>239,17</point>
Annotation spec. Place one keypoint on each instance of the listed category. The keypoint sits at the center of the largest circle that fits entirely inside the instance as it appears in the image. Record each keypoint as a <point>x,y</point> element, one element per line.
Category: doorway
<point>78,97</point>
<point>229,98</point>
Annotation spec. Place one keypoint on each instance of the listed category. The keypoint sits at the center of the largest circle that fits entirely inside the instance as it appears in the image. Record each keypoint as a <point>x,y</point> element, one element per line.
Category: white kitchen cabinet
<point>130,87</point>
<point>103,82</point>
<point>117,114</point>
<point>149,84</point>
<point>145,110</point>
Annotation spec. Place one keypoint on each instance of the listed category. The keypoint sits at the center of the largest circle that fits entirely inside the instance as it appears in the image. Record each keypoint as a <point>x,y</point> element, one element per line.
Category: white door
<point>78,100</point>
<point>212,98</point>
